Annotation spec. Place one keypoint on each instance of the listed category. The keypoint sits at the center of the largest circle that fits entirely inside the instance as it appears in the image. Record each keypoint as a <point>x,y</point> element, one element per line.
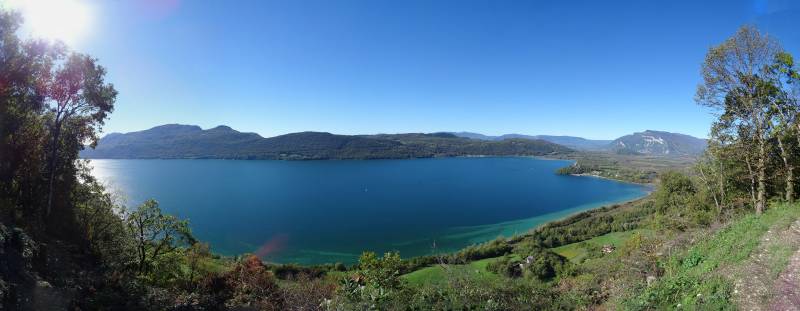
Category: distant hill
<point>659,143</point>
<point>472,135</point>
<point>577,143</point>
<point>648,142</point>
<point>175,141</point>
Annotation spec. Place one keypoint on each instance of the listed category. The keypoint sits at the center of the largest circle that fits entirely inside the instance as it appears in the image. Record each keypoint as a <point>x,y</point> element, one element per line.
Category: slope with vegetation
<point>723,235</point>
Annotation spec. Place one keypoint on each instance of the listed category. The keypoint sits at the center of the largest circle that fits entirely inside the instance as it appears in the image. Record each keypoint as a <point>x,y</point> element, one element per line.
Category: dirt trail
<point>786,288</point>
<point>767,281</point>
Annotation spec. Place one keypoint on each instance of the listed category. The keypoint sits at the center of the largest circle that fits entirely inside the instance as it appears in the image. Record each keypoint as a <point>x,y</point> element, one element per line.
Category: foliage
<point>679,204</point>
<point>748,81</point>
<point>383,272</point>
<point>156,239</point>
<point>589,224</point>
<point>252,285</point>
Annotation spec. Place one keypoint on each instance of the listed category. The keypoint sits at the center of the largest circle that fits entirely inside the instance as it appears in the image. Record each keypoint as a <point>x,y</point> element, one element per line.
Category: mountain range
<point>649,142</point>
<point>175,141</point>
<point>577,143</point>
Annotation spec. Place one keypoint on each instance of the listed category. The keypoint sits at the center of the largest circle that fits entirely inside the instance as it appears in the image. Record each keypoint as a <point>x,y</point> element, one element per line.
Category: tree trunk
<point>752,180</point>
<point>721,178</point>
<point>761,170</point>
<point>709,186</point>
<point>52,167</point>
<point>789,171</point>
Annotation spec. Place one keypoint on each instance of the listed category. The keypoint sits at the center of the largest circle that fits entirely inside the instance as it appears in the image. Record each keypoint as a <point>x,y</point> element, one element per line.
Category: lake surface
<point>312,212</point>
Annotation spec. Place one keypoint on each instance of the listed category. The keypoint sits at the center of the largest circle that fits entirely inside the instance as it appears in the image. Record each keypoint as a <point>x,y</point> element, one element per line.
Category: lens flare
<point>65,20</point>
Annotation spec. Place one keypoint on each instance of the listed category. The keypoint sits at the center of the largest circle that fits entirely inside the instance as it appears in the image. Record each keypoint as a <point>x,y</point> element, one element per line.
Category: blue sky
<point>597,69</point>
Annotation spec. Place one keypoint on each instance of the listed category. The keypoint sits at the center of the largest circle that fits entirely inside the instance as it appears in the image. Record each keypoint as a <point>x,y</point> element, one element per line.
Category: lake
<point>311,212</point>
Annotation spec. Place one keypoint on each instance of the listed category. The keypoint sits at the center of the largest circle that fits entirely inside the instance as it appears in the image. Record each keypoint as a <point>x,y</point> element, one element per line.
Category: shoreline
<point>535,222</point>
<point>612,179</point>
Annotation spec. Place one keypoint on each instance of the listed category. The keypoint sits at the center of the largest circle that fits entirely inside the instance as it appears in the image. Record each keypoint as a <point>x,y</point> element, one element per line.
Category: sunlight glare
<point>65,20</point>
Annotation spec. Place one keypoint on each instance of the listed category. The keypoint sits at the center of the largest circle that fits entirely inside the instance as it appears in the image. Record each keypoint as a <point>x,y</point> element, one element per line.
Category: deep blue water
<point>330,211</point>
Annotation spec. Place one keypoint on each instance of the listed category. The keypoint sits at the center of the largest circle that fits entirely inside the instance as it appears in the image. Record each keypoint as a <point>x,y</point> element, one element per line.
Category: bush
<point>252,285</point>
<point>679,205</point>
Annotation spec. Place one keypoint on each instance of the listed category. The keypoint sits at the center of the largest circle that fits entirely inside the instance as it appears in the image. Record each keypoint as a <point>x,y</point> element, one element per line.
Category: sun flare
<point>65,20</point>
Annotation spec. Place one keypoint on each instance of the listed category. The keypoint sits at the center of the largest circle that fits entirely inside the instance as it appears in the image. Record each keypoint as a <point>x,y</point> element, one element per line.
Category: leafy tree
<point>53,102</point>
<point>738,83</point>
<point>195,255</point>
<point>384,272</point>
<point>156,236</point>
<point>22,128</point>
<point>75,95</point>
<point>97,215</point>
<point>674,192</point>
<point>786,81</point>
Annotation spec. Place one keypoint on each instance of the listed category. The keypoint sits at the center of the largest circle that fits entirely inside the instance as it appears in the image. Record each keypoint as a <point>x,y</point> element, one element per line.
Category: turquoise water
<point>330,211</point>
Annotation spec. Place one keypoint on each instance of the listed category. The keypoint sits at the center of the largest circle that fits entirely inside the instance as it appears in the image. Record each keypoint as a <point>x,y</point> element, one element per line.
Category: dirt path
<point>786,288</point>
<point>770,279</point>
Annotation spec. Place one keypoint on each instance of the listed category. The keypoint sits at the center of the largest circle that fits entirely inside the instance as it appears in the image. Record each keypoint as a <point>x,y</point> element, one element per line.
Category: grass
<point>694,278</point>
<point>576,252</point>
<point>475,270</point>
<point>778,258</point>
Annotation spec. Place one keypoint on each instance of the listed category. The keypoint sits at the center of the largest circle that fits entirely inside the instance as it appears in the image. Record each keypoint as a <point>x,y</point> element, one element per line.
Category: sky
<point>595,69</point>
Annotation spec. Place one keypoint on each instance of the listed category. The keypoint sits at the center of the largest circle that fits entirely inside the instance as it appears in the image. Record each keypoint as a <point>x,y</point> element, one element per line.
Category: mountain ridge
<point>574,142</point>
<point>648,142</point>
<point>176,141</point>
<point>653,142</point>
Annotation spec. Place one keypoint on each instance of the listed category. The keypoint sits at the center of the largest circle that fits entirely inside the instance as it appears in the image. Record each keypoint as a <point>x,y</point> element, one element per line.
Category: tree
<point>786,81</point>
<point>383,272</point>
<point>735,83</point>
<point>76,94</point>
<point>22,128</point>
<point>195,255</point>
<point>52,101</point>
<point>674,192</point>
<point>97,215</point>
<point>156,236</point>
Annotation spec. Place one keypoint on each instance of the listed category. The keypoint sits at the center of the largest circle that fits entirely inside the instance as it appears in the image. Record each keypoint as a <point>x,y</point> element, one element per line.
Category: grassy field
<point>475,270</point>
<point>575,252</point>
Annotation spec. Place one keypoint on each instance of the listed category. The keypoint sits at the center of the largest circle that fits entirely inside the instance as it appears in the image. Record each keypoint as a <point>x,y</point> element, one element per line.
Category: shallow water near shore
<point>312,212</point>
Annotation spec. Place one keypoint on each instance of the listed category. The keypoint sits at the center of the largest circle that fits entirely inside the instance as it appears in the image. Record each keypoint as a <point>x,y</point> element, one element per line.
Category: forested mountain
<point>187,141</point>
<point>648,142</point>
<point>659,143</point>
